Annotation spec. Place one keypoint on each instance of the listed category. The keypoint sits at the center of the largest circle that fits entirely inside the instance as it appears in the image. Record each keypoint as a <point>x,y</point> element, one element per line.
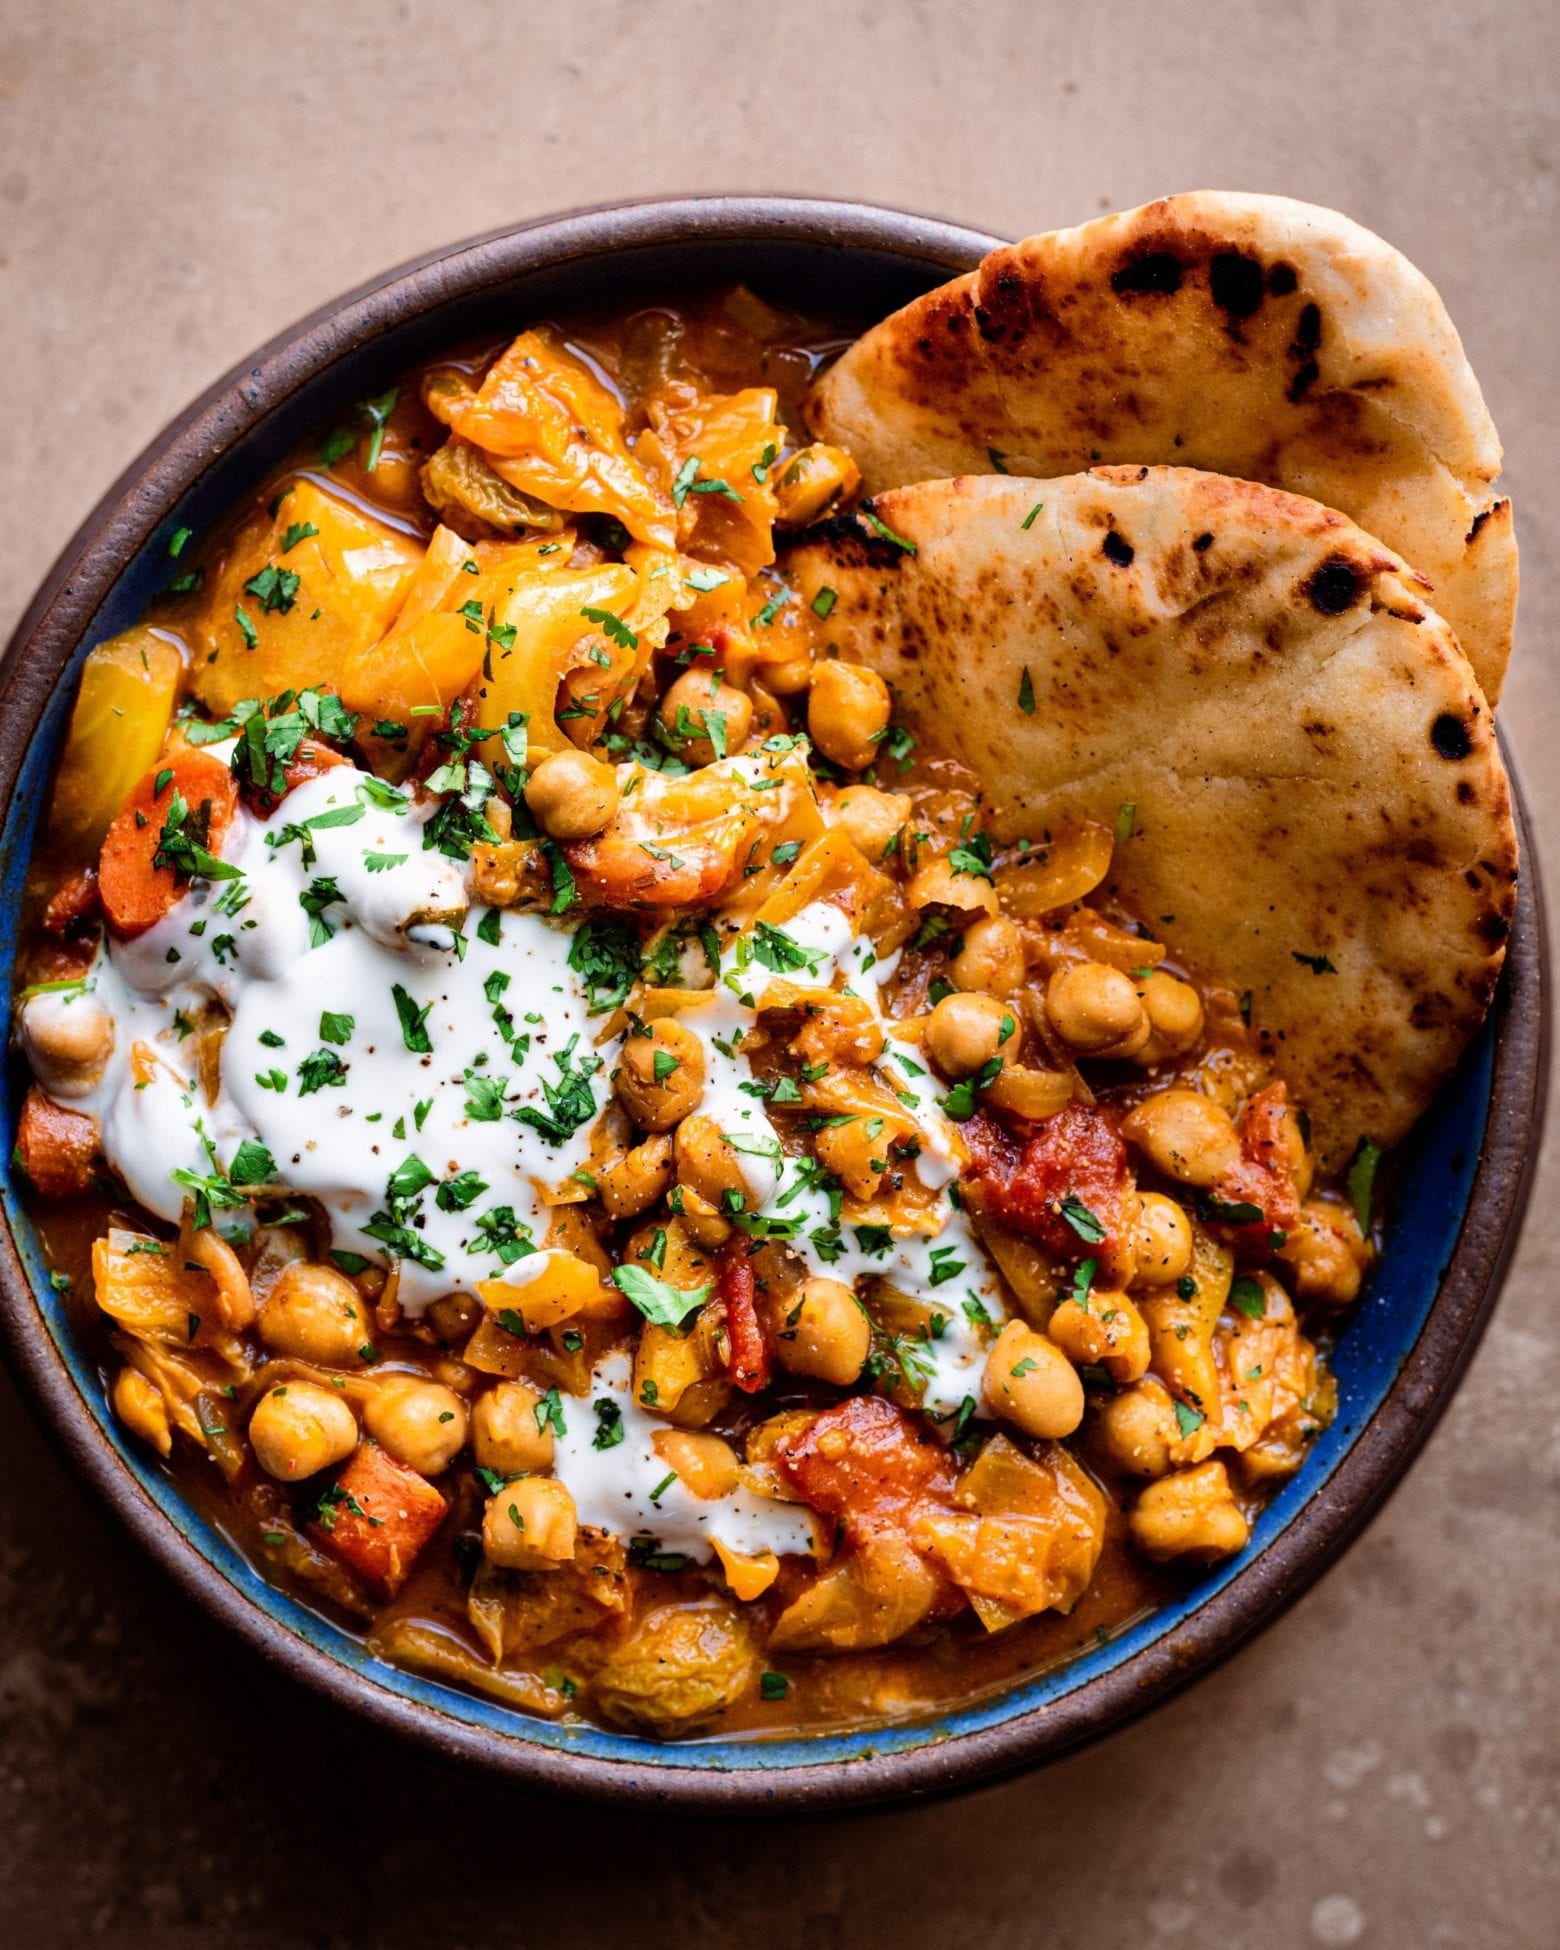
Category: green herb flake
<point>881,528</point>
<point>664,1305</point>
<point>1361,1180</point>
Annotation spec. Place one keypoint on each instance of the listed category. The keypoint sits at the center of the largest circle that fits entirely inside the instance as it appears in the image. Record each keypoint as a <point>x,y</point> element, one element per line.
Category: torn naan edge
<point>1321,814</point>
<point>1249,335</point>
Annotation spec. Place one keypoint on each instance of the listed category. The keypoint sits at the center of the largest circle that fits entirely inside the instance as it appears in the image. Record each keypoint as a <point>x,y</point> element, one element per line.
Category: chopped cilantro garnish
<point>666,1306</point>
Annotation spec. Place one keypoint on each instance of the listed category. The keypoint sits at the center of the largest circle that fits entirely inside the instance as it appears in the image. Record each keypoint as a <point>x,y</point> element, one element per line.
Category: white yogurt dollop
<point>424,1072</point>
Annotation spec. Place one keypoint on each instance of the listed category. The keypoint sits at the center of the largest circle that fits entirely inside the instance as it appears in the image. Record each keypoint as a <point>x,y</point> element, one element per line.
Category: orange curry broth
<point>723,341</point>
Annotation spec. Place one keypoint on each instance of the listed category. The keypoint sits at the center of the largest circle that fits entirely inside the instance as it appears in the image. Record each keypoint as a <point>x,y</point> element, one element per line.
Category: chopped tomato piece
<point>866,1462</point>
<point>72,905</point>
<point>309,761</point>
<point>1264,1178</point>
<point>1066,1186</point>
<point>57,1148</point>
<point>377,1516</point>
<point>750,1361</point>
<point>136,891</point>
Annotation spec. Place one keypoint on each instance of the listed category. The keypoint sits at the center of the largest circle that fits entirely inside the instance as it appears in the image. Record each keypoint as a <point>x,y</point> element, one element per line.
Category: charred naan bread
<point>1321,815</point>
<point>1250,335</point>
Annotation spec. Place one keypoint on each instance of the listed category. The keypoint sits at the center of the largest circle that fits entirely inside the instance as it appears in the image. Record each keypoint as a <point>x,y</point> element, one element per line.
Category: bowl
<point>1460,1188</point>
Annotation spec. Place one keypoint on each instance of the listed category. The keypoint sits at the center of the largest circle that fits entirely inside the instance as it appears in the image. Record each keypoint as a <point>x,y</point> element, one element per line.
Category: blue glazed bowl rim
<point>1485,1130</point>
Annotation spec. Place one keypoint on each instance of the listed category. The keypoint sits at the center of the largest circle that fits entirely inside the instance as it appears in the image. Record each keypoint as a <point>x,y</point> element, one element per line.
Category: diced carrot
<point>136,892</point>
<point>377,1516</point>
<point>57,1148</point>
<point>749,1350</point>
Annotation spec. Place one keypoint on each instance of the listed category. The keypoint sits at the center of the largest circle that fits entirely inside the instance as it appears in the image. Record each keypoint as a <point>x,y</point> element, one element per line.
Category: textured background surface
<point>179,181</point>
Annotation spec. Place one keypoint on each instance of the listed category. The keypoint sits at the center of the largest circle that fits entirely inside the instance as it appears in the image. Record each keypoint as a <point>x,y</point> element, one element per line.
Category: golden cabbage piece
<point>296,595</point>
<point>1033,1535</point>
<point>547,425</point>
<point>1248,335</point>
<point>459,485</point>
<point>677,1668</point>
<point>718,451</point>
<point>1259,698</point>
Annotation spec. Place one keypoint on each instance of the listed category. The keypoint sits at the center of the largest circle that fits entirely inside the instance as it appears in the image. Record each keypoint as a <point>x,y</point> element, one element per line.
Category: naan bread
<point>1250,335</point>
<point>1322,816</point>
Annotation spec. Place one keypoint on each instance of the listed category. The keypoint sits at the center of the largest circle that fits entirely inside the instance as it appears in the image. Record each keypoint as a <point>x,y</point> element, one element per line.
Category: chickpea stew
<point>577,1140</point>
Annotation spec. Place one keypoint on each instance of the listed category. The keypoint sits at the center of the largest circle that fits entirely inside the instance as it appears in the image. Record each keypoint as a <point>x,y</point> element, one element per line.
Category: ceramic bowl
<point>1460,1187</point>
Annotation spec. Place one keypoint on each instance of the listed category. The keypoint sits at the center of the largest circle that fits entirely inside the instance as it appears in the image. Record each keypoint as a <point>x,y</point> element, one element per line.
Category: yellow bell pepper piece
<point>129,686</point>
<point>444,630</point>
<point>561,1287</point>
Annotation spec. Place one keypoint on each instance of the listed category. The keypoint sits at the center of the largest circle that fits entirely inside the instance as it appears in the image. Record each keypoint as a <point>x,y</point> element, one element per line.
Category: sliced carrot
<point>57,1148</point>
<point>136,893</point>
<point>377,1516</point>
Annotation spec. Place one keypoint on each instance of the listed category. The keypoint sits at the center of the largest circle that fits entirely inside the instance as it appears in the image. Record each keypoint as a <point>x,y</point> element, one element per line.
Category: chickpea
<point>572,796</point>
<point>454,1317</point>
<point>1109,1332</point>
<point>139,1405</point>
<point>1095,1010</point>
<point>1185,1136</point>
<point>506,1434</point>
<point>68,1039</point>
<point>1327,1252</point>
<point>315,1314</point>
<point>690,705</point>
<point>1138,1426</point>
<point>788,678</point>
<point>939,884</point>
<point>632,1184</point>
<point>1162,1242</point>
<point>848,709</point>
<point>990,957</point>
<point>1175,1017</point>
<point>706,1465</point>
<point>707,1168</point>
<point>1031,1383</point>
<point>825,1332</point>
<point>660,1077</point>
<point>1190,1514</point>
<point>870,819</point>
<point>964,1032</point>
<point>812,480</point>
<point>299,1429</point>
<point>530,1525</point>
<point>420,1423</point>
